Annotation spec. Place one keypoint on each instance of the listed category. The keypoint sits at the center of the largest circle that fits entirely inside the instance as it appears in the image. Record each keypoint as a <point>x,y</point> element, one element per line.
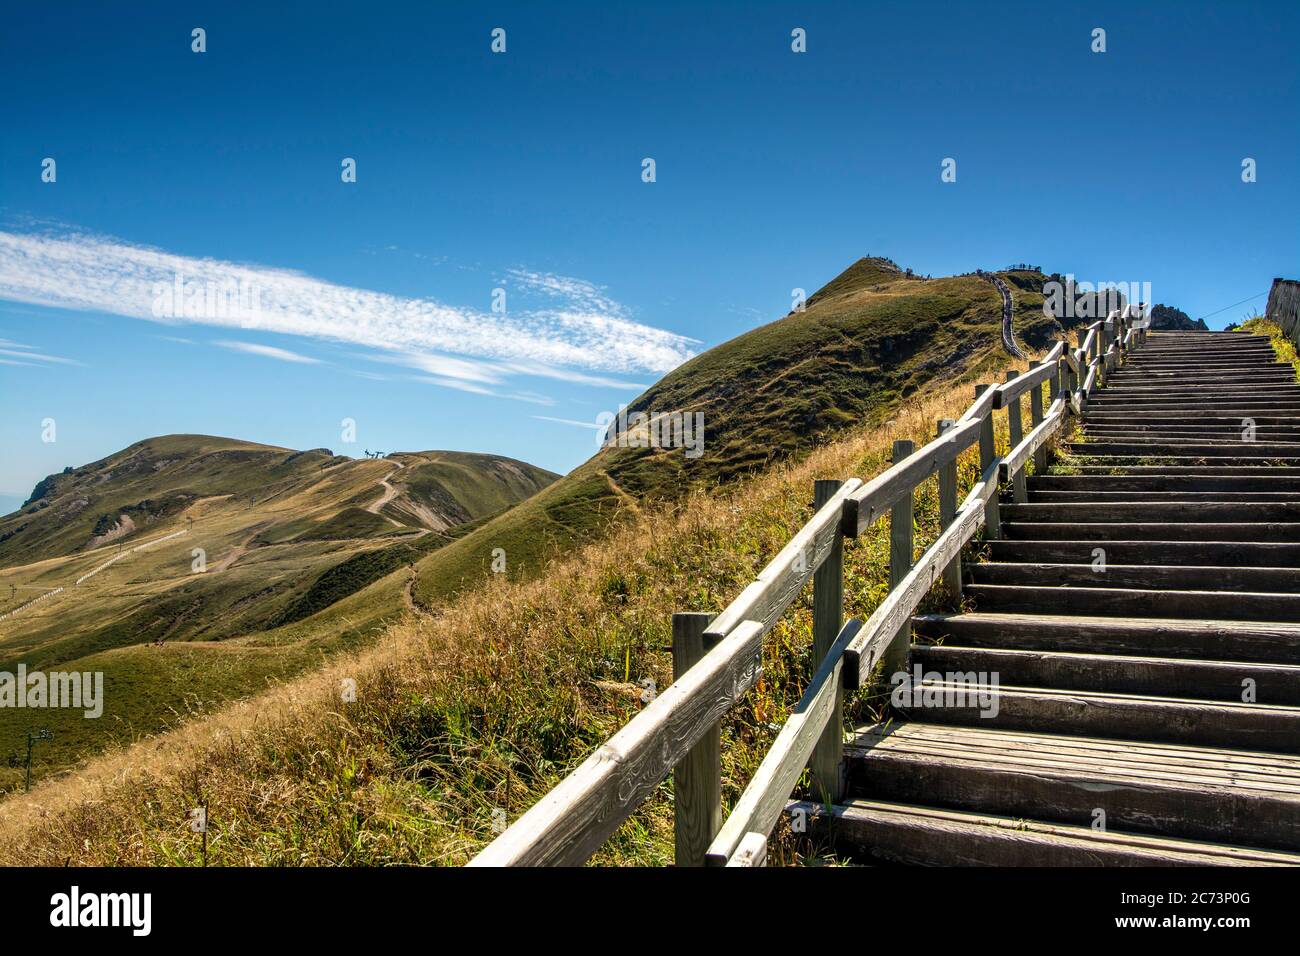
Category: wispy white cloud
<point>269,351</point>
<point>570,421</point>
<point>27,355</point>
<point>581,328</point>
<point>463,386</point>
<point>445,366</point>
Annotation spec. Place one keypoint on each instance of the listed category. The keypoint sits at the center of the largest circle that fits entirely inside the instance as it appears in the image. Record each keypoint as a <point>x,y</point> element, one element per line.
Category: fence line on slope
<point>717,659</point>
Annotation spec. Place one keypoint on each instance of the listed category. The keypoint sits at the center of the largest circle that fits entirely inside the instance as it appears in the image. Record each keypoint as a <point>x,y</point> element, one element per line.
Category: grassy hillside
<point>869,340</point>
<point>1283,346</point>
<point>486,702</point>
<point>246,554</point>
<point>484,706</point>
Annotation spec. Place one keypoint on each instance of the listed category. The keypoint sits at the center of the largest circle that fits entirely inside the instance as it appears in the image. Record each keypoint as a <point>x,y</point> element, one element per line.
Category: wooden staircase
<point>1137,624</point>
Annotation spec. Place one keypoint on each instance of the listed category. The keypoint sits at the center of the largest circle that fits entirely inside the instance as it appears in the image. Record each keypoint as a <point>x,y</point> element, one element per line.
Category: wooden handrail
<point>871,643</point>
<point>770,594</point>
<point>760,806</point>
<point>1014,460</point>
<point>869,502</point>
<point>1008,392</point>
<point>571,821</point>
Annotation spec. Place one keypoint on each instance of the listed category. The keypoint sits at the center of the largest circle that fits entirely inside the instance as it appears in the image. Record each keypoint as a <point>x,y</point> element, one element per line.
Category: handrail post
<point>1036,419</point>
<point>988,452</point>
<point>947,512</point>
<point>827,759</point>
<point>697,779</point>
<point>1019,493</point>
<point>901,550</point>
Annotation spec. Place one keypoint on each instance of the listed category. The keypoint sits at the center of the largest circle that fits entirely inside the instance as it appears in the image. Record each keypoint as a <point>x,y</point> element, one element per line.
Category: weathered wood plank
<point>1042,371</point>
<point>766,599</point>
<point>866,504</point>
<point>902,540</point>
<point>947,512</point>
<point>868,646</point>
<point>762,802</point>
<point>1016,427</point>
<point>985,396</point>
<point>988,458</point>
<point>570,822</point>
<point>752,851</point>
<point>1014,461</point>
<point>1090,382</point>
<point>828,615</point>
<point>1036,419</point>
<point>697,780</point>
<point>1017,384</point>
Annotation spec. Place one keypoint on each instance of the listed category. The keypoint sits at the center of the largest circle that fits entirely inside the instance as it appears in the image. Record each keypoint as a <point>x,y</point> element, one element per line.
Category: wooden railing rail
<point>718,658</point>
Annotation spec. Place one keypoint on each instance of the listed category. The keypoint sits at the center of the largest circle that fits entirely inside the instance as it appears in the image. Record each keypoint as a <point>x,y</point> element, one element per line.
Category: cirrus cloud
<point>580,330</point>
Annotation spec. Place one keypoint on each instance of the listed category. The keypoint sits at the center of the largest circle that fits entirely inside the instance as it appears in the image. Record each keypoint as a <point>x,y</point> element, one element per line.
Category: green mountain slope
<point>868,340</point>
<point>223,546</point>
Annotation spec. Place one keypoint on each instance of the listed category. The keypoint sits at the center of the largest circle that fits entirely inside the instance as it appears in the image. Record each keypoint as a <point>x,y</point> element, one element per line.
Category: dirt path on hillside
<point>240,549</point>
<point>408,595</point>
<point>623,496</point>
<point>390,492</point>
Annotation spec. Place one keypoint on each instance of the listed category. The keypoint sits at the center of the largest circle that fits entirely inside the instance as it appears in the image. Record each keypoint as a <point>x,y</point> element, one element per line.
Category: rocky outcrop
<point>1284,307</point>
<point>1165,318</point>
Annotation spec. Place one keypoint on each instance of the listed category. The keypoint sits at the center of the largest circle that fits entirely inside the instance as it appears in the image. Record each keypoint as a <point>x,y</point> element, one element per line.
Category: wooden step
<point>1163,363</point>
<point>1264,532</point>
<point>1277,643</point>
<point>1238,430</point>
<point>1195,470</point>
<point>1203,793</point>
<point>1154,510</point>
<point>1252,391</point>
<point>1263,727</point>
<point>1239,554</point>
<point>1239,453</point>
<point>1213,395</point>
<point>915,835</point>
<point>1259,480</point>
<point>1245,408</point>
<point>1138,602</point>
<point>1233,440</point>
<point>1154,376</point>
<point>1113,574</point>
<point>1119,673</point>
<point>1048,497</point>
<point>1191,419</point>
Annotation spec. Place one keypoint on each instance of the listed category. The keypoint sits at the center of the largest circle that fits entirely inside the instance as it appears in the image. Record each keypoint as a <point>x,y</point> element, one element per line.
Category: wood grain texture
<point>1017,384</point>
<point>766,599</point>
<point>697,779</point>
<point>828,616</point>
<point>571,821</point>
<point>951,577</point>
<point>1013,463</point>
<point>1036,419</point>
<point>885,622</point>
<point>902,544</point>
<point>762,802</point>
<point>989,459</point>
<point>1016,427</point>
<point>866,505</point>
<point>752,851</point>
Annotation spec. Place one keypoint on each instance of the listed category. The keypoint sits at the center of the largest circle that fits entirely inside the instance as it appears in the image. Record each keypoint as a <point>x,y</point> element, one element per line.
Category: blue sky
<point>522,171</point>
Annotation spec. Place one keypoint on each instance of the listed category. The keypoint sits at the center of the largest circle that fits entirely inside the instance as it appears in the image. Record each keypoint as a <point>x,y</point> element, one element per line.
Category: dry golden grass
<point>483,706</point>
